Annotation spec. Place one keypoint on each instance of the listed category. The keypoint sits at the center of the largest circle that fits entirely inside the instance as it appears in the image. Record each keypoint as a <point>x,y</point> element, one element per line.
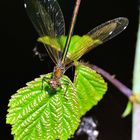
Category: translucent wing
<point>47,19</point>
<point>97,36</point>
<point>109,29</point>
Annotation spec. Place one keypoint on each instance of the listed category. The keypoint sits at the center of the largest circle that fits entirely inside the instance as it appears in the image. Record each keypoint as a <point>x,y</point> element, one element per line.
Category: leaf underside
<point>37,113</point>
<point>79,45</point>
<point>90,87</point>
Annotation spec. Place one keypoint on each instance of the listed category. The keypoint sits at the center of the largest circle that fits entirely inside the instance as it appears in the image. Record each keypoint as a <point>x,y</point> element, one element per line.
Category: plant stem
<point>136,90</point>
<point>125,90</point>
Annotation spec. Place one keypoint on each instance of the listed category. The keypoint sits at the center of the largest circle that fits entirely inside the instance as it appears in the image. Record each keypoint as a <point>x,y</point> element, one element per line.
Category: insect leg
<point>67,85</point>
<point>44,79</point>
<point>70,65</point>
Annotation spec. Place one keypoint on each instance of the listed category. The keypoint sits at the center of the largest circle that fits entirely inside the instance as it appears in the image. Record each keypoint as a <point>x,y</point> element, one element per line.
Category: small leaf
<point>127,110</point>
<point>90,87</point>
<point>44,114</point>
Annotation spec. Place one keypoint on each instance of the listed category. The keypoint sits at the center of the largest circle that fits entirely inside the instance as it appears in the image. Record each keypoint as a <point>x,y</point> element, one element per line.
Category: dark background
<point>19,65</point>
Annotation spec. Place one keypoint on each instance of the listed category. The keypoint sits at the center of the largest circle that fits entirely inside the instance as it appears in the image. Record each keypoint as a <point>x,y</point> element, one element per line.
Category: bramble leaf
<point>89,85</point>
<point>44,114</point>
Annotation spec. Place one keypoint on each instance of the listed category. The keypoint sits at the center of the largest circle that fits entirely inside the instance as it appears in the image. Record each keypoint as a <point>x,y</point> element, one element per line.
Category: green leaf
<point>37,113</point>
<point>127,110</point>
<point>90,87</point>
<point>79,45</point>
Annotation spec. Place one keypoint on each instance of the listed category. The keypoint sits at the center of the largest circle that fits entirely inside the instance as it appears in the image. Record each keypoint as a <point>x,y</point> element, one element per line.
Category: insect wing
<point>99,35</point>
<point>109,29</point>
<point>47,19</point>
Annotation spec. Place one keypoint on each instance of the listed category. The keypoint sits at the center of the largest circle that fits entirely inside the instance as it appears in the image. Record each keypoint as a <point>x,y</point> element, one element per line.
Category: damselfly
<point>48,21</point>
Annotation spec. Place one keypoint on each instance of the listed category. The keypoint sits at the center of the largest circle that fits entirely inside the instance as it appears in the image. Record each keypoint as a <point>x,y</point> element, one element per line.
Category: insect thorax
<point>58,71</point>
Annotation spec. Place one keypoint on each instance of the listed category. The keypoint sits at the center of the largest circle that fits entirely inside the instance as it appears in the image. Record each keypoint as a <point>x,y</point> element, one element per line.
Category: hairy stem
<point>125,90</point>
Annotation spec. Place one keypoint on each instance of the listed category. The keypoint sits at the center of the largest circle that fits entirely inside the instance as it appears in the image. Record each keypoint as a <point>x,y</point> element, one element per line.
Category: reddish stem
<point>120,86</point>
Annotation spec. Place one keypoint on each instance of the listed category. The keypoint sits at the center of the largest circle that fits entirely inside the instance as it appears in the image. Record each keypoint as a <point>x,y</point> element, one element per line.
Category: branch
<point>120,86</point>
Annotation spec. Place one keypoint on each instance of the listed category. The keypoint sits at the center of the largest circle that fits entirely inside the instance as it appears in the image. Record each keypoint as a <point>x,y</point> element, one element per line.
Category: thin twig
<point>120,86</point>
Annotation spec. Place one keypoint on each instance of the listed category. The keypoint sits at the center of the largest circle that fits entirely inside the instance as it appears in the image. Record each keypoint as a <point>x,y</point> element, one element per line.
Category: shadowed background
<point>19,65</point>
